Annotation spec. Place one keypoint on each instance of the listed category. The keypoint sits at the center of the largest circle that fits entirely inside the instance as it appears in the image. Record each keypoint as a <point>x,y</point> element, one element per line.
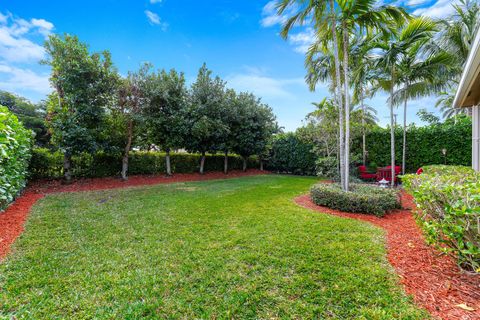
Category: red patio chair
<point>364,174</point>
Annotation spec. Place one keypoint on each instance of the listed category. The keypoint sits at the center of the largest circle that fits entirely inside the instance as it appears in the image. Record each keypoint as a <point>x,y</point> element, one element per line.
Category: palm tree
<point>392,51</point>
<point>325,22</point>
<point>456,38</point>
<point>420,74</point>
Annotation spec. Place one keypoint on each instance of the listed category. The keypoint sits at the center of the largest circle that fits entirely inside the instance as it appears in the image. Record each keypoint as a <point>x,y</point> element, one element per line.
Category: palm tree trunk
<point>167,162</point>
<point>127,149</point>
<point>404,153</point>
<point>244,163</point>
<point>338,95</point>
<point>392,129</point>
<point>225,162</point>
<point>202,162</point>
<point>364,138</point>
<point>346,83</point>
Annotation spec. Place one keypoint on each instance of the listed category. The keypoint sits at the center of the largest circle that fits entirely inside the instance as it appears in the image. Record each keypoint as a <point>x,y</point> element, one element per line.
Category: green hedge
<point>47,164</point>
<point>449,211</point>
<point>15,145</point>
<point>424,144</point>
<point>362,198</point>
<point>291,155</point>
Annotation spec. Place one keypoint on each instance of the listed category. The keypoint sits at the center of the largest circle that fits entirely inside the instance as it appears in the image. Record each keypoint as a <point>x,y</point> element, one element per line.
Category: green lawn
<point>237,248</point>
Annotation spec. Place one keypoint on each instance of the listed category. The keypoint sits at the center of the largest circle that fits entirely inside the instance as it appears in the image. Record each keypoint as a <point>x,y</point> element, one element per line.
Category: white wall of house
<point>476,138</point>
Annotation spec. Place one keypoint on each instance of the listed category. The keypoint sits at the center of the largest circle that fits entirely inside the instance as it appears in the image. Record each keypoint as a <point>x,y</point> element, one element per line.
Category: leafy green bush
<point>15,145</point>
<point>48,164</point>
<point>424,144</point>
<point>289,154</point>
<point>361,199</point>
<point>444,170</point>
<point>449,211</point>
<point>327,167</point>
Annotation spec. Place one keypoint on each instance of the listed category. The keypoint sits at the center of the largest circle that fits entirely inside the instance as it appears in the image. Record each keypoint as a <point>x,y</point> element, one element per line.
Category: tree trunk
<point>127,150</point>
<point>404,153</point>
<point>202,162</point>
<point>67,168</point>
<point>225,163</point>
<point>244,164</point>
<point>392,129</point>
<point>338,95</point>
<point>167,162</point>
<point>261,165</point>
<point>347,106</point>
<point>364,138</point>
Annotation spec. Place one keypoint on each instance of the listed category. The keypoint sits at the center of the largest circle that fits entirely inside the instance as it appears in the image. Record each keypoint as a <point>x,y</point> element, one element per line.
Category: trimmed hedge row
<point>361,198</point>
<point>289,154</point>
<point>49,165</point>
<point>424,145</point>
<point>15,144</point>
<point>448,199</point>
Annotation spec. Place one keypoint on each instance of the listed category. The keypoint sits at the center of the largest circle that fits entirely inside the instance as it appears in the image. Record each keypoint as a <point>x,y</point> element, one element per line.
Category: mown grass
<point>237,248</point>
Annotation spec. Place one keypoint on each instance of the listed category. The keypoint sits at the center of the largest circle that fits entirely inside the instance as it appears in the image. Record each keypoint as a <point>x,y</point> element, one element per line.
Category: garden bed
<point>434,280</point>
<point>361,198</point>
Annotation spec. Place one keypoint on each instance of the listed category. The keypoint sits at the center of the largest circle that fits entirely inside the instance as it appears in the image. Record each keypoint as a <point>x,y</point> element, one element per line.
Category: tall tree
<point>166,111</point>
<point>85,85</point>
<point>254,126</point>
<point>323,17</point>
<point>390,51</point>
<point>206,128</point>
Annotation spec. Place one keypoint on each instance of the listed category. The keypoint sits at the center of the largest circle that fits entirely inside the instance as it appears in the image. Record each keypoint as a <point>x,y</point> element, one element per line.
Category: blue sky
<point>238,40</point>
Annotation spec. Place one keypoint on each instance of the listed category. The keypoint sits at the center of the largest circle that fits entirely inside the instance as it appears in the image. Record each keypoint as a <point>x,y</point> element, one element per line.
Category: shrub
<point>15,145</point>
<point>444,170</point>
<point>327,167</point>
<point>424,144</point>
<point>449,211</point>
<point>289,154</point>
<point>49,165</point>
<point>362,198</point>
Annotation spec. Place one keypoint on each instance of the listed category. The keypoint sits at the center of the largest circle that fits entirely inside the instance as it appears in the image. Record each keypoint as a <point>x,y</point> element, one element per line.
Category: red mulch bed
<point>14,217</point>
<point>434,280</point>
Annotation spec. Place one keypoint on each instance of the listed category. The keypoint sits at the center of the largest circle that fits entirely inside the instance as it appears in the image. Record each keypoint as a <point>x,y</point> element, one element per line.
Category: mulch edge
<point>435,281</point>
<point>13,218</point>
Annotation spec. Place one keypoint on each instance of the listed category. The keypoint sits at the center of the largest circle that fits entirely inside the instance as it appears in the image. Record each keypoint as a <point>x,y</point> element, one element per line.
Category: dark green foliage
<point>15,145</point>
<point>32,116</point>
<point>85,85</point>
<point>448,199</point>
<point>47,164</point>
<point>361,199</point>
<point>289,154</point>
<point>424,144</point>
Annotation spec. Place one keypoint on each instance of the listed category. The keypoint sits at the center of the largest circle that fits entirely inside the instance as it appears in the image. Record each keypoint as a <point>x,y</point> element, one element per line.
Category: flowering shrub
<point>449,211</point>
<point>361,199</point>
<point>15,144</point>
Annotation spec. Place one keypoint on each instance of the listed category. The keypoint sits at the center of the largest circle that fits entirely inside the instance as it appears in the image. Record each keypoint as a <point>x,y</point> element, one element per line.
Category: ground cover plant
<point>361,199</point>
<point>238,248</point>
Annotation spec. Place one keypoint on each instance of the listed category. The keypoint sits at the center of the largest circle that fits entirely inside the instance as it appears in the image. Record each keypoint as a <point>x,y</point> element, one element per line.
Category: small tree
<point>85,84</point>
<point>166,111</point>
<point>131,100</point>
<point>206,127</point>
<point>254,126</point>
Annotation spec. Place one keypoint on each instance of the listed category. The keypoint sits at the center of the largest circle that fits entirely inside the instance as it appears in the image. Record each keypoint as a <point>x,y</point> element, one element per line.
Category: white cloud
<point>263,86</point>
<point>154,19</point>
<point>23,79</point>
<point>302,40</point>
<point>271,18</point>
<point>440,9</point>
<point>44,27</point>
